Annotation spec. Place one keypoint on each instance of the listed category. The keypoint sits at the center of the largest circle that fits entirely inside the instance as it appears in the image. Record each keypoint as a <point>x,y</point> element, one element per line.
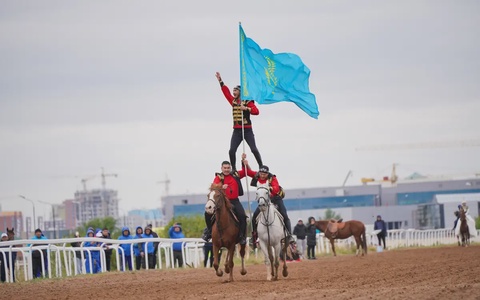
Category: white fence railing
<point>58,259</point>
<point>397,239</point>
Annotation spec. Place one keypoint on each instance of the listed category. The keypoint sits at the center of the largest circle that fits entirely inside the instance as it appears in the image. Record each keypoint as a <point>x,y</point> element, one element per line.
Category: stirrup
<point>207,235</point>
<point>243,241</point>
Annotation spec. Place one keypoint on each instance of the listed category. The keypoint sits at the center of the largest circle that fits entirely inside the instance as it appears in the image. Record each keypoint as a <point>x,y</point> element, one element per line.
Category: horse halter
<point>266,199</point>
<point>211,199</point>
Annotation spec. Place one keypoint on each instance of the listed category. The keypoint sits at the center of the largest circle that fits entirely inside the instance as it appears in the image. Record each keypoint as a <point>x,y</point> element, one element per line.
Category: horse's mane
<point>218,187</point>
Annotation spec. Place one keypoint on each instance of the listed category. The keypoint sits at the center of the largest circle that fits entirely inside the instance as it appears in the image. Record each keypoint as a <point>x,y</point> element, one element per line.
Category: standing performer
<point>240,109</point>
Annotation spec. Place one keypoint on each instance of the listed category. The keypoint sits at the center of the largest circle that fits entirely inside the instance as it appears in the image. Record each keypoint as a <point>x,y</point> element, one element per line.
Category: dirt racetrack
<point>427,273</point>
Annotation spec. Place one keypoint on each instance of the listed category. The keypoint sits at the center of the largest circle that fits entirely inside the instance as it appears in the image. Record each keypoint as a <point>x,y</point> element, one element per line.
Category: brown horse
<point>464,230</point>
<point>343,230</point>
<point>225,230</point>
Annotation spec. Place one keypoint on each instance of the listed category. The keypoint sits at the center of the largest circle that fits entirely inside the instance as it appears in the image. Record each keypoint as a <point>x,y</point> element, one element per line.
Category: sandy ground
<point>430,273</point>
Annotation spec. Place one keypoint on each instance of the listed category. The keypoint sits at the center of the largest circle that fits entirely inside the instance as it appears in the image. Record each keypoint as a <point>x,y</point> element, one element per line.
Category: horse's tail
<point>364,240</point>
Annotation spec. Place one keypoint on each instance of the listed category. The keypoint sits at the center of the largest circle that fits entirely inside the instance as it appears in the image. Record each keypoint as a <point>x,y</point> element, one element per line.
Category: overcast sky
<point>130,86</point>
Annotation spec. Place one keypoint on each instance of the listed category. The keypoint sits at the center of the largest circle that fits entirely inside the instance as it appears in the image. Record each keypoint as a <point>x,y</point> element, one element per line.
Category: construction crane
<point>167,184</point>
<point>421,145</point>
<point>84,181</point>
<point>106,175</point>
<point>392,179</point>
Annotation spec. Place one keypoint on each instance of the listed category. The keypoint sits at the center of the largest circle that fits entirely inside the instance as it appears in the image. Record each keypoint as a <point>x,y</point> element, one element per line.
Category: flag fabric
<point>269,78</point>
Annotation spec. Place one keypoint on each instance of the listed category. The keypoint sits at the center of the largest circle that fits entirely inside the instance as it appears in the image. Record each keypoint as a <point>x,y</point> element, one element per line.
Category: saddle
<point>213,218</point>
<point>333,226</point>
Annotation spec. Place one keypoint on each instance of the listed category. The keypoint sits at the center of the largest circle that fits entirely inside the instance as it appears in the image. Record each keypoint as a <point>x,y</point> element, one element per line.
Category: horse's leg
<point>216,253</point>
<point>242,255</point>
<point>358,241</point>
<point>231,253</point>
<point>271,258</point>
<point>227,262</point>
<point>265,251</point>
<point>276,257</point>
<point>332,241</point>
<point>285,271</point>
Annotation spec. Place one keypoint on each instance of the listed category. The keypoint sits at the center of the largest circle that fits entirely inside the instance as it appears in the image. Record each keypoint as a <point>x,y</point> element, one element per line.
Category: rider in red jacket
<point>264,178</point>
<point>233,189</point>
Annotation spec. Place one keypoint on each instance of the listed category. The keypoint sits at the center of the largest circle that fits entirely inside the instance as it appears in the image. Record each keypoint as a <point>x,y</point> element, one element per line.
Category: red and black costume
<point>237,126</point>
<point>275,195</point>
<point>233,191</point>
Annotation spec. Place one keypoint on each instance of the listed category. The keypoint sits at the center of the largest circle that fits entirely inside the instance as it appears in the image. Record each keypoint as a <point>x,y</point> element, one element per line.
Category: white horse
<point>270,234</point>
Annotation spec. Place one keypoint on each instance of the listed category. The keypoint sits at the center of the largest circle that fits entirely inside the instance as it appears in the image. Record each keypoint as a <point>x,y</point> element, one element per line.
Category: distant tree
<point>192,226</point>
<point>108,222</point>
<point>477,222</point>
<point>330,214</point>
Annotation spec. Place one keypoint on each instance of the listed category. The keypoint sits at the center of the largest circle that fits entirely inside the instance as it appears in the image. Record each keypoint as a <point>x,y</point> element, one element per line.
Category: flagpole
<point>243,128</point>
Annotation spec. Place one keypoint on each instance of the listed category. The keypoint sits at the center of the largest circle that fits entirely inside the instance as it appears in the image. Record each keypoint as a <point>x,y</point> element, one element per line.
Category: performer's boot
<point>253,241</point>
<point>288,229</point>
<point>243,230</point>
<point>207,232</point>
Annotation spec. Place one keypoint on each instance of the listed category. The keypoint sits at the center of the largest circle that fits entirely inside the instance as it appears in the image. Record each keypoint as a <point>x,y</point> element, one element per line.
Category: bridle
<point>266,199</point>
<point>268,204</point>
<point>219,205</point>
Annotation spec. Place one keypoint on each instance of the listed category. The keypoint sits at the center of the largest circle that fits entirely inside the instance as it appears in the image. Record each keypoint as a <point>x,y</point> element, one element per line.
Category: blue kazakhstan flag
<point>270,78</point>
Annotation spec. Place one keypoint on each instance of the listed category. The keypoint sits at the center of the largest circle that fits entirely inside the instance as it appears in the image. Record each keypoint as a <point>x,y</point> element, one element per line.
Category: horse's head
<point>11,233</point>
<point>263,198</point>
<point>215,199</point>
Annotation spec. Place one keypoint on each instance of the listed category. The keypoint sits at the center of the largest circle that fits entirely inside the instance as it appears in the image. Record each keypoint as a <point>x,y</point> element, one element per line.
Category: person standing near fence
<point>78,255</point>
<point>311,238</point>
<point>300,231</point>
<point>37,255</point>
<point>138,248</point>
<point>155,244</point>
<point>175,232</point>
<point>107,247</point>
<point>147,234</point>
<point>380,225</point>
<point>127,250</point>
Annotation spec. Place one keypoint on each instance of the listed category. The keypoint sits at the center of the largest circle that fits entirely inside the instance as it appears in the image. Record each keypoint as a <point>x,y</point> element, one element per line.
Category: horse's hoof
<point>220,273</point>
<point>227,270</point>
<point>285,273</point>
<point>243,272</point>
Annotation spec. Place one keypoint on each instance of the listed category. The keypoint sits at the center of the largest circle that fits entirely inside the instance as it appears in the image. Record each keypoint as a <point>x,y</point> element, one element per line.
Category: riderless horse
<point>225,232</point>
<point>342,230</point>
<point>271,233</point>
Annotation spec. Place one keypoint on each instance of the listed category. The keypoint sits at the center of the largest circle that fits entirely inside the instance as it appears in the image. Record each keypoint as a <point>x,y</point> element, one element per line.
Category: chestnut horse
<point>464,230</point>
<point>225,230</point>
<point>343,230</point>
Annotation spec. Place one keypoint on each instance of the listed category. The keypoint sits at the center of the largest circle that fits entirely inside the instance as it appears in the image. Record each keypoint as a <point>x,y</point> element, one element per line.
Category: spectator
<point>37,255</point>
<point>155,245</point>
<point>292,253</point>
<point>108,249</point>
<point>175,232</point>
<point>78,255</point>
<point>138,248</point>
<point>92,262</point>
<point>380,225</point>
<point>300,231</point>
<point>127,249</point>
<point>311,238</point>
<point>149,247</point>
<point>4,264</point>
